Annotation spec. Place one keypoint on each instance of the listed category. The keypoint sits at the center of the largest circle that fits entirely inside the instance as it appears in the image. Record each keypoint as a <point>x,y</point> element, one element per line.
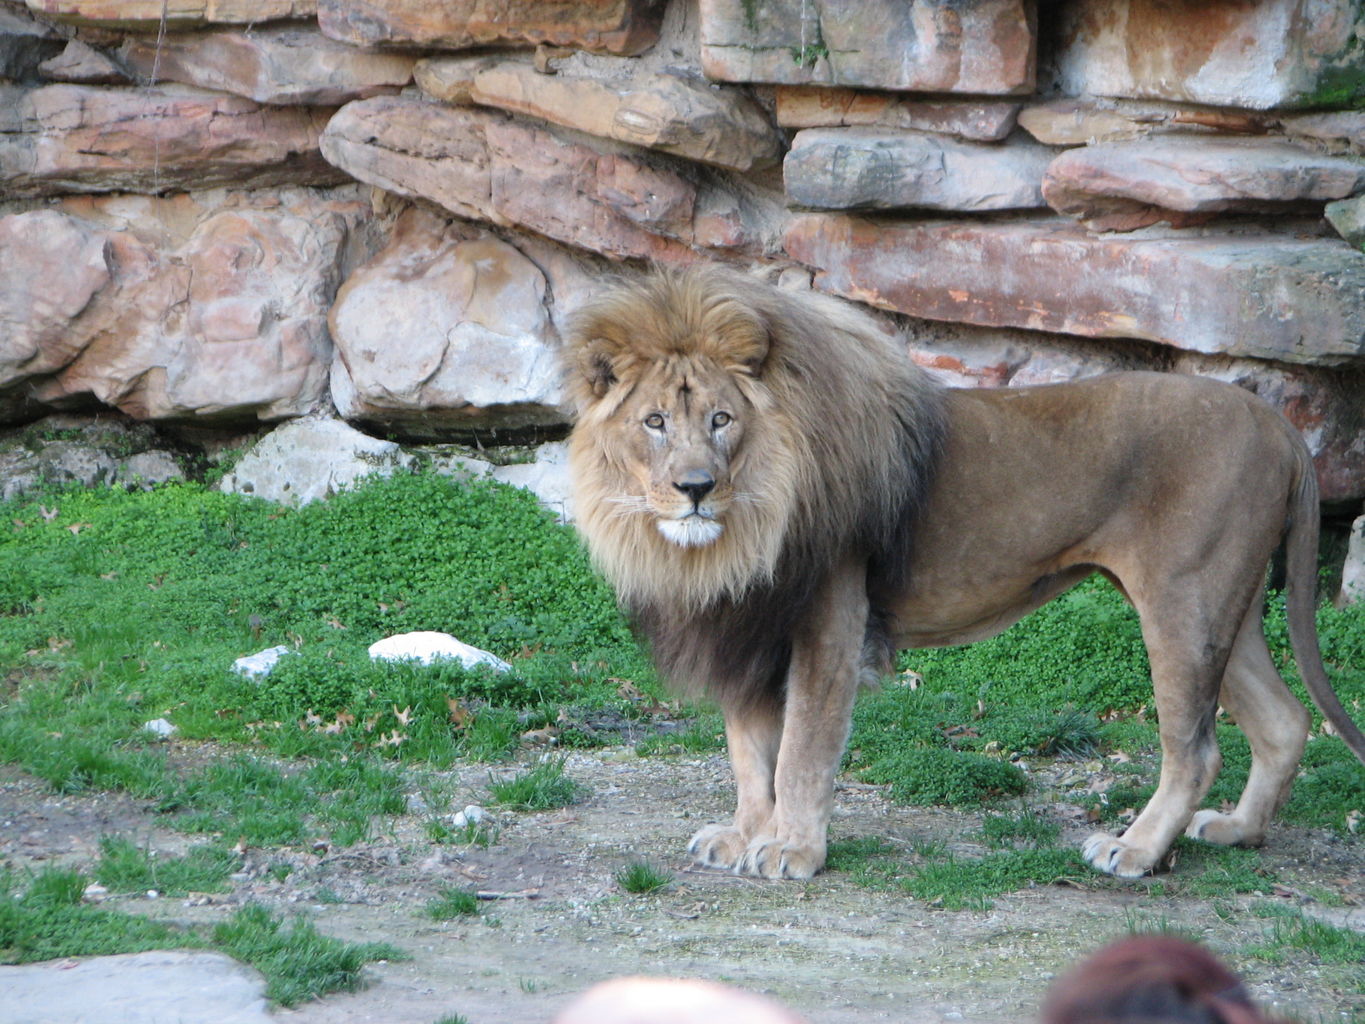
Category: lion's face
<point>681,429</point>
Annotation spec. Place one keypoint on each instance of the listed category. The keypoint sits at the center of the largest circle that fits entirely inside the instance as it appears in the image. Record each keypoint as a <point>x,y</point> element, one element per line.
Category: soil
<point>555,921</point>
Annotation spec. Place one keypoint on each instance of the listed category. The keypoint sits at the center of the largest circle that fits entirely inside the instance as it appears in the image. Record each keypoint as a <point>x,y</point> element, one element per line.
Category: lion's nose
<point>696,484</point>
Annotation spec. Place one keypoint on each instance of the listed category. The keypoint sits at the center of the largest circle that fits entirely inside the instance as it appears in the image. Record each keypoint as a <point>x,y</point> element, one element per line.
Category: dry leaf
<point>460,716</point>
<point>404,716</point>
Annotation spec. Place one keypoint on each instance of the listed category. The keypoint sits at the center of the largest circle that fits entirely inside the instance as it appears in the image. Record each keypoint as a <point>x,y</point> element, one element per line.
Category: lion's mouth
<point>693,530</point>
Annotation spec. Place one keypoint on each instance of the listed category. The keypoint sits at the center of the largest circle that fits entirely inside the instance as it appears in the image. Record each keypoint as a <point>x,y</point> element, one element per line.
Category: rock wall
<point>236,212</point>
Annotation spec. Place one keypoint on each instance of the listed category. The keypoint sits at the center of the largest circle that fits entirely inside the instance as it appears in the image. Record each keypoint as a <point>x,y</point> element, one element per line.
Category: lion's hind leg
<point>752,736</point>
<point>1188,657</point>
<point>1276,726</point>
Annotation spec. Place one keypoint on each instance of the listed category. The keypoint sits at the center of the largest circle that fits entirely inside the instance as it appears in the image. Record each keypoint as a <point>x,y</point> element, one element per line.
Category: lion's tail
<point>1301,575</point>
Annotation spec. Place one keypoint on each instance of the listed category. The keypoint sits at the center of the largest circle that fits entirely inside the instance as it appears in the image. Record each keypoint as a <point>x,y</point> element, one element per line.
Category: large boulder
<point>79,138</point>
<point>1297,300</point>
<point>914,45</point>
<point>1272,53</point>
<point>612,26</point>
<point>210,308</point>
<point>311,459</point>
<point>873,168</point>
<point>446,329</point>
<point>272,64</point>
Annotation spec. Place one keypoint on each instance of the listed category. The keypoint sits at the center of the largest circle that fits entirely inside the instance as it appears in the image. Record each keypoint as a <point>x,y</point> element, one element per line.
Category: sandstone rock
<point>260,664</point>
<point>613,26</point>
<point>1323,404</point>
<point>1277,53</point>
<point>212,306</point>
<point>1340,131</point>
<point>1348,217</point>
<point>451,79</point>
<point>480,165</point>
<point>1353,571</point>
<point>280,64</point>
<point>666,112</point>
<point>1288,299</point>
<point>82,65</point>
<point>311,459</point>
<point>870,168</point>
<point>55,265</point>
<point>445,329</point>
<point>962,356</point>
<point>152,14</point>
<point>73,138</point>
<point>1127,185</point>
<point>1078,122</point>
<point>801,106</point>
<point>913,45</point>
<point>428,646</point>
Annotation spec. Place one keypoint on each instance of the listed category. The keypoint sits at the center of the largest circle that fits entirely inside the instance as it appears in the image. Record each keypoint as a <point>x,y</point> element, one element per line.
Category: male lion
<point>781,499</point>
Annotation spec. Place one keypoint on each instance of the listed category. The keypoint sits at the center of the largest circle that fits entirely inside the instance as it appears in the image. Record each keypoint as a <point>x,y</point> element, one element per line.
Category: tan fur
<point>778,495</point>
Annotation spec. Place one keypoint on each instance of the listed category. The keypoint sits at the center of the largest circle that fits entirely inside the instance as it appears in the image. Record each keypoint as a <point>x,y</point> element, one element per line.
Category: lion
<point>782,499</point>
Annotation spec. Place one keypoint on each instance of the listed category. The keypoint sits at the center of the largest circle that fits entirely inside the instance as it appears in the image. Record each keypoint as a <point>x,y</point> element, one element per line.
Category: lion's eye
<point>720,419</point>
<point>655,421</point>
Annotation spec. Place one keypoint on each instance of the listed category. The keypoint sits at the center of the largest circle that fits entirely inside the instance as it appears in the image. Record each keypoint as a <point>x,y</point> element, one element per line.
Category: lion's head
<point>729,434</point>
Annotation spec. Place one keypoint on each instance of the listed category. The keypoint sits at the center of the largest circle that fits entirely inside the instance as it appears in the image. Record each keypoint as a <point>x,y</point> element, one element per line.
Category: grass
<point>120,607</point>
<point>542,787</point>
<point>451,903</point>
<point>46,919</point>
<point>641,878</point>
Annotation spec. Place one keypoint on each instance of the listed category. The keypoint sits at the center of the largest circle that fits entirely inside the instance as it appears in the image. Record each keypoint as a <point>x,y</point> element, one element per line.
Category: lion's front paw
<point>718,846</point>
<point>1223,829</point>
<point>1115,857</point>
<point>772,858</point>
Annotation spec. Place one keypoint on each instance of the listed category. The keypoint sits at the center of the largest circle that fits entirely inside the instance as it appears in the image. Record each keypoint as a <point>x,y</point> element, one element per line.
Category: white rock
<point>427,646</point>
<point>471,815</point>
<point>160,727</point>
<point>547,478</point>
<point>1353,573</point>
<point>311,459</point>
<point>258,665</point>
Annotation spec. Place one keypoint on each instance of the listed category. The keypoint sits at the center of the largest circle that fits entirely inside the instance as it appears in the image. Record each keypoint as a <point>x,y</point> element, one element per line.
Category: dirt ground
<point>554,921</point>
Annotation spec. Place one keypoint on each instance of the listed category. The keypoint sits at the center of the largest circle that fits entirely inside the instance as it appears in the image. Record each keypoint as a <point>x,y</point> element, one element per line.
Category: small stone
<point>1353,572</point>
<point>1347,216</point>
<point>258,665</point>
<point>427,646</point>
<point>161,728</point>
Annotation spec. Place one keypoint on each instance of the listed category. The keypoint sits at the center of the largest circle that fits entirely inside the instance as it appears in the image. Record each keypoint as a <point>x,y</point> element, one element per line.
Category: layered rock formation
<point>230,212</point>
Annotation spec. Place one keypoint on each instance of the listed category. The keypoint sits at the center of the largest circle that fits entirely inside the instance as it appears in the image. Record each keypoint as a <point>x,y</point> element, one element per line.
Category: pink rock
<point>210,307</point>
<point>1272,53</point>
<point>913,45</point>
<point>801,106</point>
<point>279,64</point>
<point>1288,299</point>
<point>612,26</point>
<point>471,311</point>
<point>1126,185</point>
<point>75,138</point>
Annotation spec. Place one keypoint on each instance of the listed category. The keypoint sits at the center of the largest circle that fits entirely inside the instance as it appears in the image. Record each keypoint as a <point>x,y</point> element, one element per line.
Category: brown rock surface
<point>1287,299</point>
<point>666,112</point>
<point>446,328</point>
<point>145,14</point>
<point>802,106</point>
<point>83,65</point>
<point>917,45</point>
<point>1264,55</point>
<point>74,138</point>
<point>1126,185</point>
<point>872,168</point>
<point>611,26</point>
<point>1078,122</point>
<point>211,307</point>
<point>281,64</point>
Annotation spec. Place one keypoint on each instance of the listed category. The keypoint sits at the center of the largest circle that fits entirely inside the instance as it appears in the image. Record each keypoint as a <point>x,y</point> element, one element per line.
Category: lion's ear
<point>596,368</point>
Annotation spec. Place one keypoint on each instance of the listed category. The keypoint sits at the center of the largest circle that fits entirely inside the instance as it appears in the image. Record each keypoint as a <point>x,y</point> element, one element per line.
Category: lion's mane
<point>842,438</point>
